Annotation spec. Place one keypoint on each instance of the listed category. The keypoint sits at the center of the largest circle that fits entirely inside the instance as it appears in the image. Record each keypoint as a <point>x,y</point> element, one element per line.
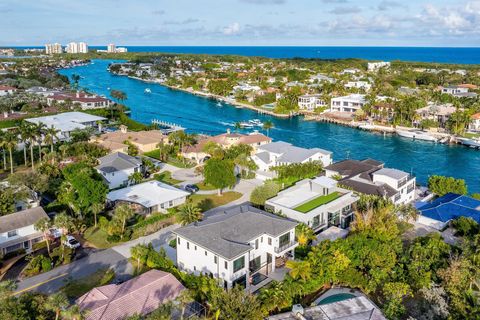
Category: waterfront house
<point>145,141</point>
<point>67,122</point>
<point>370,177</point>
<point>283,153</point>
<point>149,197</point>
<point>438,113</point>
<point>319,78</point>
<point>350,103</point>
<point>225,140</point>
<point>438,213</point>
<point>117,167</point>
<point>460,91</point>
<point>375,66</point>
<point>310,102</point>
<point>6,90</point>
<point>241,246</point>
<point>84,100</point>
<point>475,122</point>
<point>318,202</point>
<point>138,296</point>
<point>350,71</point>
<point>17,231</point>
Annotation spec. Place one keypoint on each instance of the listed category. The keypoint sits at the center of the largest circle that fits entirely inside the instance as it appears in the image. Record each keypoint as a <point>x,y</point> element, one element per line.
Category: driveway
<point>115,258</point>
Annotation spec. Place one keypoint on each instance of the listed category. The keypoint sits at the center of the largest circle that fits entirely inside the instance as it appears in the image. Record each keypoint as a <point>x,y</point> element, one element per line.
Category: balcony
<point>404,182</point>
<point>285,246</point>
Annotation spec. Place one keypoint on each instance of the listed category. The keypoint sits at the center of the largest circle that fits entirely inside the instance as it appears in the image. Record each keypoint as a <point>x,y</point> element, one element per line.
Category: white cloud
<point>232,29</point>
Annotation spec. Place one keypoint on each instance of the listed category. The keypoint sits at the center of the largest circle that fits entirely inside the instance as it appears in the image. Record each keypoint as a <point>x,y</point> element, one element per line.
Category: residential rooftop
<point>228,234</point>
<point>17,220</point>
<point>451,206</point>
<point>117,161</point>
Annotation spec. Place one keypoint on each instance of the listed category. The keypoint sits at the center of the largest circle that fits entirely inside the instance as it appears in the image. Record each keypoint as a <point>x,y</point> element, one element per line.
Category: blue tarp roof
<point>451,206</point>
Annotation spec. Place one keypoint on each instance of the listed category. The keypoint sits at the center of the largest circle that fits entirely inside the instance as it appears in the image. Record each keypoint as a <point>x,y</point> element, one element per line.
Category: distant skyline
<point>242,22</point>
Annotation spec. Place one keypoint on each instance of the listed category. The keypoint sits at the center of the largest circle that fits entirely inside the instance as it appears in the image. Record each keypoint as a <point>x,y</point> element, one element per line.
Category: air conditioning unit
<point>297,309</point>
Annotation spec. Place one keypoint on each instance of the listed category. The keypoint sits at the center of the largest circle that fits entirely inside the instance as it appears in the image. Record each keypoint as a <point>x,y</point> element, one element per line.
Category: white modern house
<point>319,203</point>
<point>475,122</point>
<point>242,246</point>
<point>375,66</point>
<point>459,91</point>
<point>117,167</point>
<point>6,90</point>
<point>17,231</point>
<point>67,122</point>
<point>370,177</point>
<point>310,102</point>
<point>149,197</point>
<point>358,85</point>
<point>350,103</point>
<point>283,153</point>
<point>321,78</point>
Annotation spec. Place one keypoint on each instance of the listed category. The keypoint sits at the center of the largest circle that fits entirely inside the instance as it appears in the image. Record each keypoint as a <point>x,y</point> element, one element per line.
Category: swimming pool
<point>336,298</point>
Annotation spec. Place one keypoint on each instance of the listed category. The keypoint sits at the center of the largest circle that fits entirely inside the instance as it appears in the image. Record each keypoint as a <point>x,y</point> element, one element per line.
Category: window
<point>188,245</point>
<point>178,240</point>
<point>256,244</point>
<point>269,241</point>
<point>205,252</point>
<point>162,206</point>
<point>261,239</point>
<point>285,239</point>
<point>170,203</point>
<point>195,248</point>
<point>194,268</point>
<point>215,259</point>
<point>226,265</point>
<point>239,264</point>
<point>12,233</point>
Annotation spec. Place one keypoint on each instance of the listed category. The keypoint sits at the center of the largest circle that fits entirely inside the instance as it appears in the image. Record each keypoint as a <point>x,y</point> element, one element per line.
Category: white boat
<point>147,90</point>
<point>219,104</point>
<point>416,134</point>
<point>366,126</point>
<point>472,143</point>
<point>256,122</point>
<point>246,125</point>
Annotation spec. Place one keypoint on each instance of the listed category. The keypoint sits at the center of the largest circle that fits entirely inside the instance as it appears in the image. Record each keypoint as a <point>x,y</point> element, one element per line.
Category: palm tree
<point>50,135</point>
<point>44,225</point>
<point>140,253</point>
<point>267,125</point>
<point>184,298</point>
<point>63,222</point>
<point>10,141</point>
<point>135,177</point>
<point>122,213</point>
<point>118,95</point>
<point>31,136</point>
<point>57,302</point>
<point>75,79</point>
<point>96,208</point>
<point>73,313</point>
<point>2,145</point>
<point>237,126</point>
<point>40,130</point>
<point>24,135</point>
<point>299,269</point>
<point>304,234</point>
<point>189,213</point>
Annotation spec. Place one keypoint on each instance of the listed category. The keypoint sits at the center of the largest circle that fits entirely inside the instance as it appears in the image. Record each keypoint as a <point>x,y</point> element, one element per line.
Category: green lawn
<point>205,187</point>
<point>317,202</point>
<point>174,161</point>
<point>208,201</point>
<point>97,238</point>
<point>76,288</point>
<point>166,176</point>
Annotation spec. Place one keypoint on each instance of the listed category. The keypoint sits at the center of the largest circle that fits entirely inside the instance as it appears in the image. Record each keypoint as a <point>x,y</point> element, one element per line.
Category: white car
<point>71,242</point>
<point>56,233</point>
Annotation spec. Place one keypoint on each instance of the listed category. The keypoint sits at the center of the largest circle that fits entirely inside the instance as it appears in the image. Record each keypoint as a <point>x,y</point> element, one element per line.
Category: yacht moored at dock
<point>472,143</point>
<point>416,135</point>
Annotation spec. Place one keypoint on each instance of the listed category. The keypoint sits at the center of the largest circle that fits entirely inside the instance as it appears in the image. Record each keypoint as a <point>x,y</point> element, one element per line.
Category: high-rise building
<point>121,50</point>
<point>52,48</point>
<point>77,47</point>
<point>111,48</point>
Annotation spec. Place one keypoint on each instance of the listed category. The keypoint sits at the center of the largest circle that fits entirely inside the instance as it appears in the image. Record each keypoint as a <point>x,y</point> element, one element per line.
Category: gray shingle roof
<point>392,173</point>
<point>228,234</point>
<point>21,219</point>
<point>367,188</point>
<point>290,153</point>
<point>116,162</point>
<point>351,168</point>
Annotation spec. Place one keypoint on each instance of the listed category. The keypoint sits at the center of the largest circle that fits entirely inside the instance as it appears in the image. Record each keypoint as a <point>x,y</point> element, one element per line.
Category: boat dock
<point>167,127</point>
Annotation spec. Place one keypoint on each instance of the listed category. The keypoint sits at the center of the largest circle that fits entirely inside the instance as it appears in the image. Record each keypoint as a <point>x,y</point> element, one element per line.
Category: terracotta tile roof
<point>140,295</point>
<point>7,88</point>
<point>81,97</point>
<point>468,85</point>
<point>476,116</point>
<point>227,139</point>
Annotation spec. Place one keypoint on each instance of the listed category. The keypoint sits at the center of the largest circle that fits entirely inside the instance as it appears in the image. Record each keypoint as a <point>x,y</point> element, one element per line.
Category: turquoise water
<point>202,115</point>
<point>336,298</point>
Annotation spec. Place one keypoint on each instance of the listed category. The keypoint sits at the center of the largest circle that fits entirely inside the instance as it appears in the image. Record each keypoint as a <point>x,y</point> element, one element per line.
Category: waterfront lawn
<point>317,202</point>
<point>209,201</point>
<point>76,288</point>
<point>166,177</point>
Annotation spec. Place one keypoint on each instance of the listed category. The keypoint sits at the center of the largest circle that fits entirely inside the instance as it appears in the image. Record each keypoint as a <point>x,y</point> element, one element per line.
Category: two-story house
<point>283,153</point>
<point>117,167</point>
<point>17,230</point>
<point>350,103</point>
<point>310,102</point>
<point>370,177</point>
<point>242,246</point>
<point>319,203</point>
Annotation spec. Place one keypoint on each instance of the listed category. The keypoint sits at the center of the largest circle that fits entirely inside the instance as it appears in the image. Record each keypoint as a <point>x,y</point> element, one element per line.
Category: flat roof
<point>67,121</point>
<point>147,194</point>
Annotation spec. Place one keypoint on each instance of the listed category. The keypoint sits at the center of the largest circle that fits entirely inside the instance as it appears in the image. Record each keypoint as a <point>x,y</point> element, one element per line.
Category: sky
<point>241,22</point>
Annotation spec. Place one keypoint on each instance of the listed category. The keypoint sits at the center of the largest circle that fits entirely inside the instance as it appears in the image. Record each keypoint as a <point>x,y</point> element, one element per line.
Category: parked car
<point>71,242</point>
<point>191,188</point>
<point>56,233</point>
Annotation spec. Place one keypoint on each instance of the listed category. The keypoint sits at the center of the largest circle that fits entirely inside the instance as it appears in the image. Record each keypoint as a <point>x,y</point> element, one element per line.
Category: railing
<point>285,246</point>
<point>404,182</point>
